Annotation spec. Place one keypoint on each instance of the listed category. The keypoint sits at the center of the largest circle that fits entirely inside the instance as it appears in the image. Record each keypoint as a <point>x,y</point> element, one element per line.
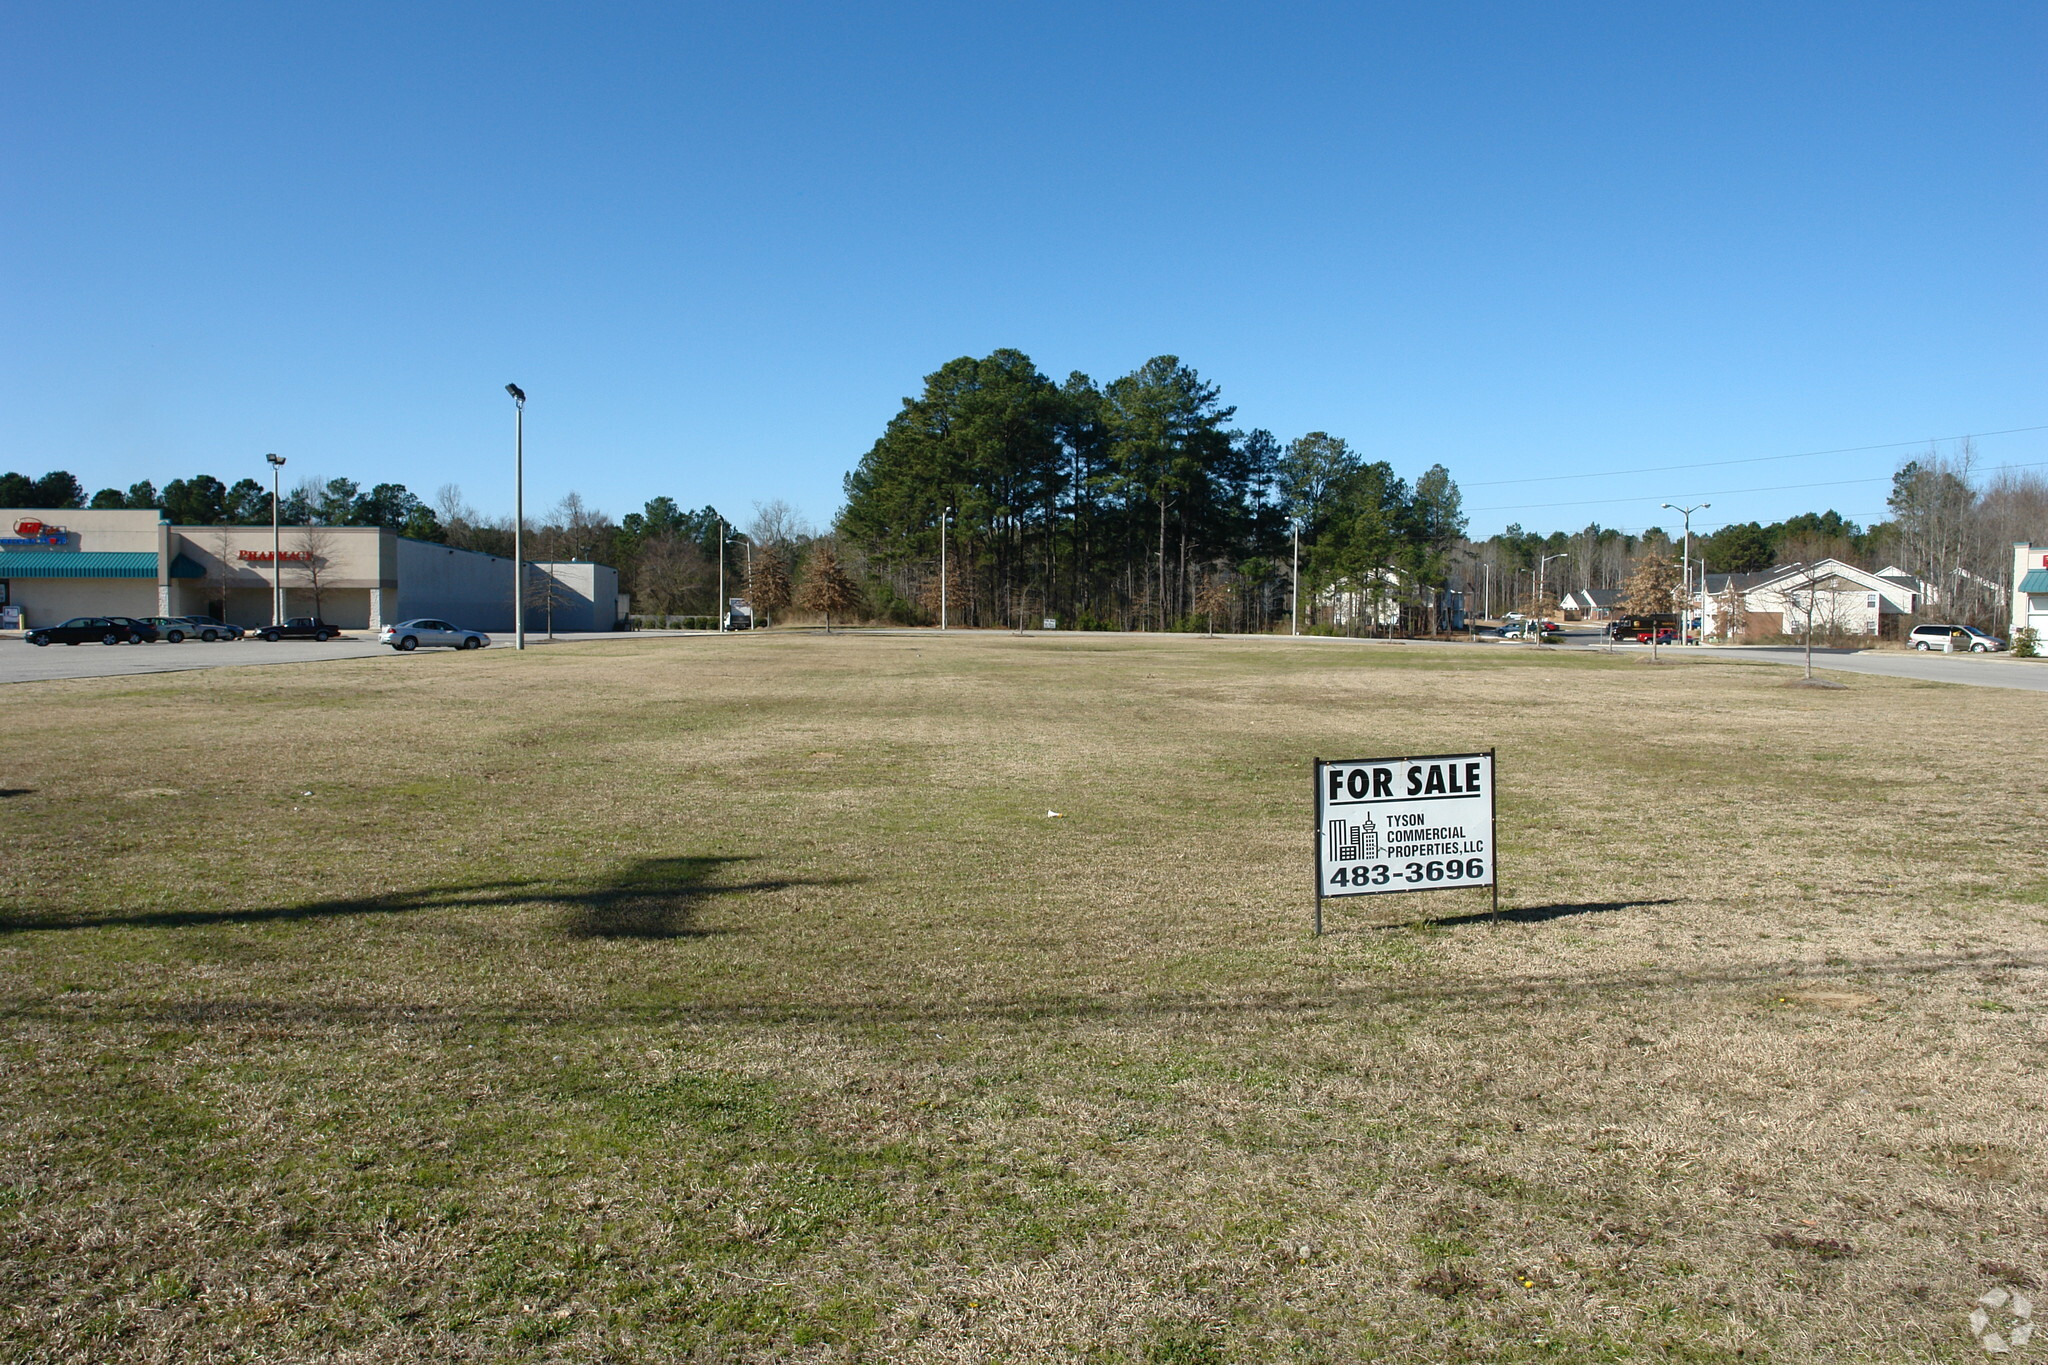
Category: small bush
<point>2026,643</point>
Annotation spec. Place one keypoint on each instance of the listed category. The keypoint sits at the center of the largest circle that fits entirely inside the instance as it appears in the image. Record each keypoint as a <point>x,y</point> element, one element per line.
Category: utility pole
<point>944,514</point>
<point>1294,606</point>
<point>1685,570</point>
<point>518,515</point>
<point>1542,563</point>
<point>721,575</point>
<point>1486,607</point>
<point>276,547</point>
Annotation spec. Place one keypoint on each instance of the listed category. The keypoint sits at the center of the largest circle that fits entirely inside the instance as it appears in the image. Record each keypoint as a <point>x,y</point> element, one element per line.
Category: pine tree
<point>827,587</point>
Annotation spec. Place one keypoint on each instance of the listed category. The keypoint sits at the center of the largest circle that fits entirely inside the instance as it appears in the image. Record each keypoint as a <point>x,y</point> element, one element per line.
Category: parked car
<point>108,630</point>
<point>410,635</point>
<point>211,628</point>
<point>173,629</point>
<point>1965,637</point>
<point>300,628</point>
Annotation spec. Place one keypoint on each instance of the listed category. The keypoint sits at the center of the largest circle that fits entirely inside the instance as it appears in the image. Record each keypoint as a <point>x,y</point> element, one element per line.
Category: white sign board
<point>1403,824</point>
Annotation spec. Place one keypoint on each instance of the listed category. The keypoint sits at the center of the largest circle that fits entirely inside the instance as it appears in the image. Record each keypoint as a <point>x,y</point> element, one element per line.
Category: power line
<point>1753,459</point>
<point>1726,492</point>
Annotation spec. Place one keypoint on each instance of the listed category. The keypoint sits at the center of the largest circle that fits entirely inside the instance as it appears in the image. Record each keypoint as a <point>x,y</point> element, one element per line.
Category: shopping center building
<point>57,565</point>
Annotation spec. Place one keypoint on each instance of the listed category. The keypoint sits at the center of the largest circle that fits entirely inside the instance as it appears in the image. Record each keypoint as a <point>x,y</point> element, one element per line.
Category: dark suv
<point>108,630</point>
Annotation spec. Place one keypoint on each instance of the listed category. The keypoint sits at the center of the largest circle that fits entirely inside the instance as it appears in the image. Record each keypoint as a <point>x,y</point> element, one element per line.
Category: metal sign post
<point>1390,825</point>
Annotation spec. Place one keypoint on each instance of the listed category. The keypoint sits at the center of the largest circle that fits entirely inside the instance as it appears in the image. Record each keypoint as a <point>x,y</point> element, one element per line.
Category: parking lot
<point>24,662</point>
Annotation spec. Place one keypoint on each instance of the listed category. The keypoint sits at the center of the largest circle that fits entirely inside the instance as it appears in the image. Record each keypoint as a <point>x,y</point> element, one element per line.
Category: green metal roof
<point>2035,581</point>
<point>79,564</point>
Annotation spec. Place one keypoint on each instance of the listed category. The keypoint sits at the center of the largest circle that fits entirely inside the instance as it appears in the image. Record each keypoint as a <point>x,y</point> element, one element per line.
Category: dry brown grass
<point>735,999</point>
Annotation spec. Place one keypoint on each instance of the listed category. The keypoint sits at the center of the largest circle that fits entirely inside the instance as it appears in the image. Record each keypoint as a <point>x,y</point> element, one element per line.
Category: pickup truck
<point>300,628</point>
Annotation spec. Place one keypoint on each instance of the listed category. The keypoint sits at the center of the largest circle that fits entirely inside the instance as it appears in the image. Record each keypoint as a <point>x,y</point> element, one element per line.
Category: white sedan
<point>410,635</point>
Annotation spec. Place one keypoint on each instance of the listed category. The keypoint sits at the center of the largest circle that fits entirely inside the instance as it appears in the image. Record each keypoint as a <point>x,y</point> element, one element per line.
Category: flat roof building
<point>60,564</point>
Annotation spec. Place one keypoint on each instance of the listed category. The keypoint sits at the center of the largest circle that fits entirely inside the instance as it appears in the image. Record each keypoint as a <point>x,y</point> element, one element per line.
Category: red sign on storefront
<point>265,556</point>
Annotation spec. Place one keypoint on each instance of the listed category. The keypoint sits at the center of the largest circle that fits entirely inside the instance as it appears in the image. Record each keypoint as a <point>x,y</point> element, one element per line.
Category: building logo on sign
<point>30,531</point>
<point>1385,825</point>
<point>266,556</point>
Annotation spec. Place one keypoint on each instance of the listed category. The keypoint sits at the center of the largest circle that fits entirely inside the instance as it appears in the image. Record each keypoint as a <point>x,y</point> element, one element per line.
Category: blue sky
<point>717,244</point>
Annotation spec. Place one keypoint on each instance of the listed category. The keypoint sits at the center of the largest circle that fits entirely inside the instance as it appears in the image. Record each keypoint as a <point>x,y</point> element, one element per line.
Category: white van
<point>1965,637</point>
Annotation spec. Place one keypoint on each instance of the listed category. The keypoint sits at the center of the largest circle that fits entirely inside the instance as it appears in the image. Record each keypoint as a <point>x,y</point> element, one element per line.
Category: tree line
<point>1132,504</point>
<point>204,500</point>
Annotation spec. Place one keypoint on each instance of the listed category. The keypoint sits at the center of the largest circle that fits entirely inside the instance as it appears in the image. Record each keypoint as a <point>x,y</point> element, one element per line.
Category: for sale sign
<point>1403,824</point>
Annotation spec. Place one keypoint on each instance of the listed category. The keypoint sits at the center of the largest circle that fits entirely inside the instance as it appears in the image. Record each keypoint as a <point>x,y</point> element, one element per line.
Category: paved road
<point>1971,670</point>
<point>22,662</point>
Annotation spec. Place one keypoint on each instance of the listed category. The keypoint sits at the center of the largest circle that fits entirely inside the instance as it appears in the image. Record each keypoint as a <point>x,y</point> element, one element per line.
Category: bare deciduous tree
<point>1216,597</point>
<point>671,571</point>
<point>768,588</point>
<point>828,588</point>
<point>1652,590</point>
<point>1813,594</point>
<point>314,546</point>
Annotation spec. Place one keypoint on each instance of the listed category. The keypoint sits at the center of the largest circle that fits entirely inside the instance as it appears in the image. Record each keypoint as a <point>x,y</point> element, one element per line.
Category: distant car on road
<point>1965,637</point>
<point>410,635</point>
<point>108,630</point>
<point>300,628</point>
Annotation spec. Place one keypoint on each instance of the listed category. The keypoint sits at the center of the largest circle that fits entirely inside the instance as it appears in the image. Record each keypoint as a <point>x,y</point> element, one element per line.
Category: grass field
<point>737,999</point>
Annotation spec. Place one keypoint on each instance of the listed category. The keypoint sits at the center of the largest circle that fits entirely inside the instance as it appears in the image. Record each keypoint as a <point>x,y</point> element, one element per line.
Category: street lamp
<point>276,544</point>
<point>723,538</point>
<point>1685,570</point>
<point>1541,564</point>
<point>518,515</point>
<point>945,515</point>
<point>1294,592</point>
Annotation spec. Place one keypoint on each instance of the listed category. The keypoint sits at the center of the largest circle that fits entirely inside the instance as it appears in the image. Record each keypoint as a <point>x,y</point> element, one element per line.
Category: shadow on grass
<point>1527,992</point>
<point>650,898</point>
<point>15,791</point>
<point>1534,914</point>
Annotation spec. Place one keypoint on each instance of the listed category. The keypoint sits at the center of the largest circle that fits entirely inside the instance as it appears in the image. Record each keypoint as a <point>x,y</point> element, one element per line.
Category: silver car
<point>410,635</point>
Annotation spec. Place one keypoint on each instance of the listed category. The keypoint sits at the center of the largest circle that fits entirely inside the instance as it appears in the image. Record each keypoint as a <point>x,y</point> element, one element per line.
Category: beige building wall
<point>53,601</point>
<point>116,531</point>
<point>355,568</point>
<point>2029,610</point>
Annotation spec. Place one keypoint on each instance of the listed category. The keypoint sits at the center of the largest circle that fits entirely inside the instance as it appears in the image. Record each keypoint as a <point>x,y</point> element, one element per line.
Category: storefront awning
<point>82,564</point>
<point>2035,581</point>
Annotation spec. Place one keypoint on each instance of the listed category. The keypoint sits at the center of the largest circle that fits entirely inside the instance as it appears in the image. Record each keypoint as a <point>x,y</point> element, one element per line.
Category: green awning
<point>184,566</point>
<point>80,564</point>
<point>2035,581</point>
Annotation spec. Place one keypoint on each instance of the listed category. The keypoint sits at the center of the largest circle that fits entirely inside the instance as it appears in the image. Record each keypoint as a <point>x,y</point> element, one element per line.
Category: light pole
<point>1486,608</point>
<point>518,516</point>
<point>1685,571</point>
<point>945,514</point>
<point>1542,563</point>
<point>1294,591</point>
<point>276,545</point>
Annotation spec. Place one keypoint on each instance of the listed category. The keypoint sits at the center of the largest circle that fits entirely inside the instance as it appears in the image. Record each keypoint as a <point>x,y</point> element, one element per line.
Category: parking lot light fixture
<point>1685,574</point>
<point>518,515</point>
<point>276,546</point>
